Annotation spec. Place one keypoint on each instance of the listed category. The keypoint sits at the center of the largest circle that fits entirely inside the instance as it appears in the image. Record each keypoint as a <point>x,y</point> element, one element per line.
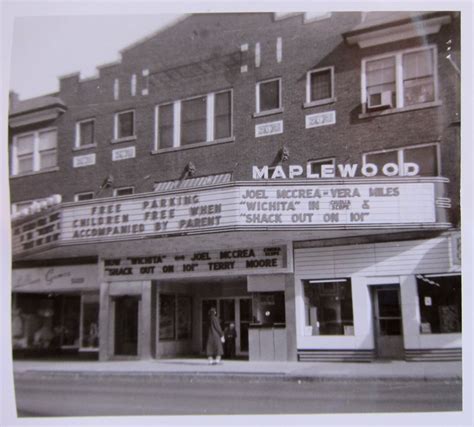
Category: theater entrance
<point>229,310</point>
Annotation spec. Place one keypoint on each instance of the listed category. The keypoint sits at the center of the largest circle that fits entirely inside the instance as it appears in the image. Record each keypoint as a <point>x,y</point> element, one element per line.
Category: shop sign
<point>337,205</point>
<point>82,161</point>
<point>456,249</point>
<point>37,233</point>
<point>233,207</point>
<point>151,215</point>
<point>266,129</point>
<point>320,119</point>
<point>271,259</point>
<point>55,278</point>
<point>123,153</point>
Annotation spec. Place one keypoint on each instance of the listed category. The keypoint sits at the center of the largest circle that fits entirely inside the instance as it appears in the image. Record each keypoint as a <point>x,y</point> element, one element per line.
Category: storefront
<point>396,300</point>
<point>263,255</point>
<point>157,306</point>
<point>55,311</point>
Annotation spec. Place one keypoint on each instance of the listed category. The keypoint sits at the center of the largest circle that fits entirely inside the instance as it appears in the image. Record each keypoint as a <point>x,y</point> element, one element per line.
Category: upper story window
<point>34,152</point>
<point>193,121</point>
<point>83,196</point>
<point>85,133</point>
<point>320,86</point>
<point>268,96</point>
<point>426,156</point>
<point>400,79</point>
<point>317,165</point>
<point>124,125</point>
<point>124,191</point>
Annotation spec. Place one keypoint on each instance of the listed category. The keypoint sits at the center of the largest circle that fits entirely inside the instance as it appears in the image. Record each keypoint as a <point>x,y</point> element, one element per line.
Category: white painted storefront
<point>367,266</point>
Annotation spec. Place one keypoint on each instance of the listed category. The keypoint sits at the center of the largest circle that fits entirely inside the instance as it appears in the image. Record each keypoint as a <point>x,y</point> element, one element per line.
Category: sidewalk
<point>321,371</point>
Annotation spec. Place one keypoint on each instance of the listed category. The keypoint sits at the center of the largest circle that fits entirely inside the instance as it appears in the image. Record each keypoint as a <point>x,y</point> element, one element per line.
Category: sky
<point>44,48</point>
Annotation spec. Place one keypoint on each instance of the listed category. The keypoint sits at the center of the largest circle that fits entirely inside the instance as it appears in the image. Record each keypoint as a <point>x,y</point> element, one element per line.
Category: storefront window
<point>90,321</point>
<point>175,317</point>
<point>42,321</point>
<point>440,303</point>
<point>328,307</point>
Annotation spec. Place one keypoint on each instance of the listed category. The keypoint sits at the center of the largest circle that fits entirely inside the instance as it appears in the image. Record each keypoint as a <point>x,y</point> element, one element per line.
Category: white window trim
<point>210,121</point>
<point>116,190</point>
<point>326,159</point>
<point>77,144</point>
<point>309,102</point>
<point>258,111</point>
<point>77,195</point>
<point>116,120</point>
<point>399,77</point>
<point>400,154</point>
<point>36,157</point>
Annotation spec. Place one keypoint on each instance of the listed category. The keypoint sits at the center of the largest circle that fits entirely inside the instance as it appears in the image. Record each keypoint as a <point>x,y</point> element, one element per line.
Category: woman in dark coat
<point>215,337</point>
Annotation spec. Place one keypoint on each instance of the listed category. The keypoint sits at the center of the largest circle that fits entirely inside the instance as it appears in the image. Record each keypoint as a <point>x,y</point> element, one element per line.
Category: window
<point>328,307</point>
<point>425,156</point>
<point>83,196</point>
<point>316,165</point>
<point>270,307</point>
<point>400,79</point>
<point>165,126</point>
<point>193,121</point>
<point>85,133</point>
<point>124,125</point>
<point>439,298</point>
<point>320,86</point>
<point>268,97</point>
<point>90,321</point>
<point>124,191</point>
<point>175,317</point>
<point>34,152</point>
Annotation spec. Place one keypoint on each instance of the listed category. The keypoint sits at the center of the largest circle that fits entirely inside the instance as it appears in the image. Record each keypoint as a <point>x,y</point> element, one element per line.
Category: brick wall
<point>201,54</point>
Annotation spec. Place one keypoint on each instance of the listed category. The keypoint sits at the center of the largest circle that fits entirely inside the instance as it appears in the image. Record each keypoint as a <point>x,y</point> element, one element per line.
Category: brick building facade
<point>160,188</point>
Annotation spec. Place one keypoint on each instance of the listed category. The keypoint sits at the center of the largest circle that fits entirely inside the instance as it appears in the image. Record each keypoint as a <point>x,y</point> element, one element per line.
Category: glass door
<point>245,312</point>
<point>388,326</point>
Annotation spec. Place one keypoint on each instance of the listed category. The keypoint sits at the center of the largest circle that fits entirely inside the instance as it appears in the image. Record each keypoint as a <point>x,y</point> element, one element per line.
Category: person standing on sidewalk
<point>215,338</point>
<point>230,334</point>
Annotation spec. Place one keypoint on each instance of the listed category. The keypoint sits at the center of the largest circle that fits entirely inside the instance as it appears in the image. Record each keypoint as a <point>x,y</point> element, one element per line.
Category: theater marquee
<point>315,204</point>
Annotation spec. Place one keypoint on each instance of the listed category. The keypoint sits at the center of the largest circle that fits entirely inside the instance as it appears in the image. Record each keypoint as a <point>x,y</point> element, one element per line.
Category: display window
<point>270,307</point>
<point>90,322</point>
<point>439,299</point>
<point>175,321</point>
<point>328,307</point>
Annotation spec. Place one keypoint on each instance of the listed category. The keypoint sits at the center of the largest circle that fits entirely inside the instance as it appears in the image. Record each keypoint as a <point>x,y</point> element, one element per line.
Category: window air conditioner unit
<point>380,100</point>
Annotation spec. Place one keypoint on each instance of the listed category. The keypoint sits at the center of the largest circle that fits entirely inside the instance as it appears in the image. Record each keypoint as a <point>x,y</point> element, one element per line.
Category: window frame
<point>77,145</point>
<point>127,187</point>
<point>116,127</point>
<point>329,292</point>
<point>400,155</point>
<point>177,122</point>
<point>332,98</point>
<point>279,109</point>
<point>325,159</point>
<point>399,89</point>
<point>35,152</point>
<point>433,276</point>
<point>77,195</point>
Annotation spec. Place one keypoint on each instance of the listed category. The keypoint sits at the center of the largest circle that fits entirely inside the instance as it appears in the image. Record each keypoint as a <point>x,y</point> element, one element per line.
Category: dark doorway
<point>388,326</point>
<point>126,325</point>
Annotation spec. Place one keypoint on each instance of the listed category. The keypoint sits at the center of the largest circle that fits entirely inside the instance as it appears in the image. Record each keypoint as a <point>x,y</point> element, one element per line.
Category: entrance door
<point>235,310</point>
<point>126,325</point>
<point>388,322</point>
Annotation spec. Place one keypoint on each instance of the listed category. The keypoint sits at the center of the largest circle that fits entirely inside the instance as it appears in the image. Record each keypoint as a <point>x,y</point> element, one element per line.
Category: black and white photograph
<point>242,216</point>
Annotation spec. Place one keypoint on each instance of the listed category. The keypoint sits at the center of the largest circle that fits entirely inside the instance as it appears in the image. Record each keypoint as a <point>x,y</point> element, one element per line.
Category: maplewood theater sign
<point>308,204</point>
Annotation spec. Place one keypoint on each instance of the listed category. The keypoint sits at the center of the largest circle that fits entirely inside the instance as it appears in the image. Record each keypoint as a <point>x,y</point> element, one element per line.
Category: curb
<point>232,376</point>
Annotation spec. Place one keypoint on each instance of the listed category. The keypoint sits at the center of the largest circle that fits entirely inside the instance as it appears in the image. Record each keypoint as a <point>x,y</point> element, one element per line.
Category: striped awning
<point>195,182</point>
